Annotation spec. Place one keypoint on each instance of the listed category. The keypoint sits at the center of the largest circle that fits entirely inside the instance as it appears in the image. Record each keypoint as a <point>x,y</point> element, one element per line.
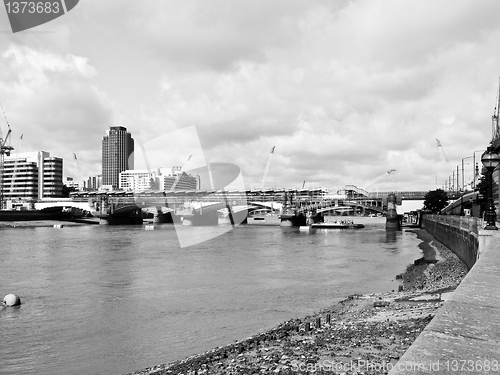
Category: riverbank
<point>363,333</point>
<point>47,223</point>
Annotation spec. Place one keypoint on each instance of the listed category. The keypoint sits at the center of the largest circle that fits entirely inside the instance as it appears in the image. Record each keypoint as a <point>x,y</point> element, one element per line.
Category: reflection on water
<point>392,235</point>
<point>112,300</point>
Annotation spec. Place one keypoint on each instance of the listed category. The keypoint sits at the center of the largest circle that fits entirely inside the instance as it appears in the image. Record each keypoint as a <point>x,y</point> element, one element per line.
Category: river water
<point>116,299</point>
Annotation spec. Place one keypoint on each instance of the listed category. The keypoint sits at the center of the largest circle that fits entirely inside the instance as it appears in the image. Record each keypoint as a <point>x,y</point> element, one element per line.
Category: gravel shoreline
<point>362,334</point>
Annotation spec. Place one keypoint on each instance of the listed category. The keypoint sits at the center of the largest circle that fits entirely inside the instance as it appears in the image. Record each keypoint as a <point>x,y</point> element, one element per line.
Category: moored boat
<point>263,217</point>
<point>337,225</point>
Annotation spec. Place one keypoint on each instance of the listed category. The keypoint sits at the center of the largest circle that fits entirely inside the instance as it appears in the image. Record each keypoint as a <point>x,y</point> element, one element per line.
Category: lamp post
<point>490,160</point>
<point>463,187</point>
<point>463,172</point>
<point>474,168</point>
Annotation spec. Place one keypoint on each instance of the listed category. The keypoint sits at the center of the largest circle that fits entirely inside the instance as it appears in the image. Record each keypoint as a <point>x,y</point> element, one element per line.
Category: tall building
<point>117,149</point>
<point>52,177</point>
<point>94,183</point>
<point>32,175</point>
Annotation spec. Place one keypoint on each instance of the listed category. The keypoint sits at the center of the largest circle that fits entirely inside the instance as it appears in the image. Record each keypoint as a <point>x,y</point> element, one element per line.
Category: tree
<point>66,190</point>
<point>483,188</point>
<point>435,201</point>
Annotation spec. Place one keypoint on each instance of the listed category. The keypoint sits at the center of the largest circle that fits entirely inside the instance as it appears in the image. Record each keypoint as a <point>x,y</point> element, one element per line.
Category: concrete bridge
<point>203,206</point>
<point>464,336</point>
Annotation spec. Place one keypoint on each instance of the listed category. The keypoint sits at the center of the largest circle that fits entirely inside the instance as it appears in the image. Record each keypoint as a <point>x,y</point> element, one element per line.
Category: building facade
<point>20,180</point>
<point>137,180</point>
<point>94,183</point>
<point>176,179</point>
<point>117,155</point>
<point>183,181</point>
<point>161,179</point>
<point>52,177</point>
<point>32,176</point>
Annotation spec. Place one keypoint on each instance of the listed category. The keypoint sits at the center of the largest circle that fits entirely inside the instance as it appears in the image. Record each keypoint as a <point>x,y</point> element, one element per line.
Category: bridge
<point>292,204</point>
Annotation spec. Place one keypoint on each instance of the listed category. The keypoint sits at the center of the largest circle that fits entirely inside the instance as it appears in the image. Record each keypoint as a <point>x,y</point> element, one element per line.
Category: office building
<point>161,179</point>
<point>94,183</point>
<point>31,176</point>
<point>117,155</point>
<point>176,179</point>
<point>137,180</point>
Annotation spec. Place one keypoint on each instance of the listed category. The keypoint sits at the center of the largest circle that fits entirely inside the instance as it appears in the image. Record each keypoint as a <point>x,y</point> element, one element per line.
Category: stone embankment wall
<point>458,233</point>
<point>464,336</point>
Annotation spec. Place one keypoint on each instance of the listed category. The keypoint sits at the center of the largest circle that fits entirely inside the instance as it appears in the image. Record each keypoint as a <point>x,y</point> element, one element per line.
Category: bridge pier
<point>293,220</point>
<point>160,217</point>
<point>207,218</point>
<point>392,219</point>
<point>129,218</point>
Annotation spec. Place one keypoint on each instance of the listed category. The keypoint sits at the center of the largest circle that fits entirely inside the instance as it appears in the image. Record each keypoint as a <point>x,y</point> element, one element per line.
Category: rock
<point>381,303</point>
<point>11,300</point>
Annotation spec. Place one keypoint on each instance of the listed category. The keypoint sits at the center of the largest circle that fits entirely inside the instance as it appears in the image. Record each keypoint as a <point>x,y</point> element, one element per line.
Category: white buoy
<point>11,300</point>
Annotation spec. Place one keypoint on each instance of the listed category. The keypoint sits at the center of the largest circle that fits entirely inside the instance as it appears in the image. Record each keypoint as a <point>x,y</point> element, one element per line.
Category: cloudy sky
<point>345,90</point>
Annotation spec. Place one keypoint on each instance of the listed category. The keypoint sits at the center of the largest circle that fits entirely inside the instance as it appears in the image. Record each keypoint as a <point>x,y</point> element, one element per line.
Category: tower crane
<point>366,184</point>
<point>5,149</point>
<point>262,179</point>
<point>443,157</point>
<point>495,125</point>
<point>360,188</point>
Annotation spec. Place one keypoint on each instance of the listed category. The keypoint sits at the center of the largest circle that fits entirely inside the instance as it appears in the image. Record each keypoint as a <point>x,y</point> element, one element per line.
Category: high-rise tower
<point>117,149</point>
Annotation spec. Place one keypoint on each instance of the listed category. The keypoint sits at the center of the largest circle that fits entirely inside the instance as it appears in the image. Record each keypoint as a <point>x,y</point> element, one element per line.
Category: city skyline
<point>345,90</point>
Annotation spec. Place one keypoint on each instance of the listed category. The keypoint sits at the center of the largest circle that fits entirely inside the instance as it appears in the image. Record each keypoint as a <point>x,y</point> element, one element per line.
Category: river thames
<point>116,299</point>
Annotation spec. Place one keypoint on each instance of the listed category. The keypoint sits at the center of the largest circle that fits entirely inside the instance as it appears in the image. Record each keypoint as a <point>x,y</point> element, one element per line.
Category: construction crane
<point>366,184</point>
<point>442,154</point>
<point>444,159</point>
<point>361,188</point>
<point>5,149</point>
<point>16,161</point>
<point>495,128</point>
<point>262,179</point>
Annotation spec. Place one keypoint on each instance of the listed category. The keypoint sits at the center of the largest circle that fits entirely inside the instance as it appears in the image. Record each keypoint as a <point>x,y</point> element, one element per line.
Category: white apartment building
<point>32,175</point>
<point>136,180</point>
<point>161,179</point>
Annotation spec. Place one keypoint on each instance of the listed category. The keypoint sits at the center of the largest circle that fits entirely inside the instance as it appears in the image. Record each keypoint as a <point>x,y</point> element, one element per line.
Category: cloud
<point>346,90</point>
<point>354,87</point>
<point>49,99</point>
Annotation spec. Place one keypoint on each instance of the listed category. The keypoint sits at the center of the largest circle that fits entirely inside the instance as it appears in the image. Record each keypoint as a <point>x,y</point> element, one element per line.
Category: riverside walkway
<point>464,336</point>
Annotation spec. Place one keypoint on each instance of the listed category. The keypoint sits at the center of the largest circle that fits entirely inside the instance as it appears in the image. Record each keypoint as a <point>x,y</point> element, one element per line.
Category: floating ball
<point>12,300</point>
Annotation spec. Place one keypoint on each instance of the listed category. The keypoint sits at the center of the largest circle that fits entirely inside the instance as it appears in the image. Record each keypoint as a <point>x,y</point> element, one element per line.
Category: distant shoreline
<point>93,221</point>
<point>46,223</point>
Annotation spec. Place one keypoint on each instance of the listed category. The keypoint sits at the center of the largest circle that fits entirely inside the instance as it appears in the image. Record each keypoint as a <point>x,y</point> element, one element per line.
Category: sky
<point>345,90</point>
